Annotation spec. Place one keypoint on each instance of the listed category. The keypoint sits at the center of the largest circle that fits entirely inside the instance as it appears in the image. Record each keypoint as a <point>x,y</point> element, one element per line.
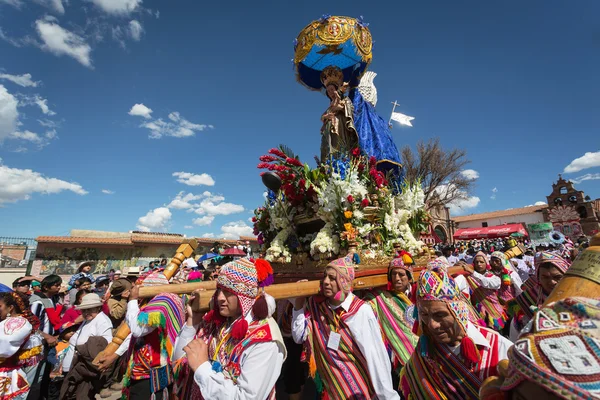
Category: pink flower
<point>267,158</point>
<point>268,166</point>
<point>280,168</point>
<point>277,152</point>
<point>294,162</point>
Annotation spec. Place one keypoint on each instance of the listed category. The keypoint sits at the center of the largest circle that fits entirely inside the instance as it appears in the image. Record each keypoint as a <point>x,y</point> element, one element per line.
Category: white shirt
<point>367,336</point>
<point>462,284</point>
<point>99,326</point>
<point>13,333</point>
<point>503,343</point>
<point>260,367</point>
<point>133,310</point>
<point>487,282</point>
<point>453,259</point>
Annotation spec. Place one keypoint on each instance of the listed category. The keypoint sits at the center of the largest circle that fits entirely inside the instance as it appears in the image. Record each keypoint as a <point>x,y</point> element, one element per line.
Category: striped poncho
<point>434,372</point>
<point>165,313</point>
<point>344,372</point>
<point>487,303</point>
<point>394,313</point>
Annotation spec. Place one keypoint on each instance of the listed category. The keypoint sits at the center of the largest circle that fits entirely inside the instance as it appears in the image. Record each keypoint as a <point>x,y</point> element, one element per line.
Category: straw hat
<point>90,300</point>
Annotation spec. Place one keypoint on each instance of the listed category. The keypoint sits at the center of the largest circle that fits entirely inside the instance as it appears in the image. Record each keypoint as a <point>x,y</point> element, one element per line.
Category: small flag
<point>401,118</point>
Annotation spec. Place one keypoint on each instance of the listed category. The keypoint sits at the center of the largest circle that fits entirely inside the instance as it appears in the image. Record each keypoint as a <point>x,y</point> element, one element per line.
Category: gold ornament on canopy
<point>332,41</point>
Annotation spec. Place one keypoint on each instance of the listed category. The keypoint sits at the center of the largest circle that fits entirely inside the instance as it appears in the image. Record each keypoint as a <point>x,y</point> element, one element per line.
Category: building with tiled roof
<point>115,250</point>
<point>529,214</point>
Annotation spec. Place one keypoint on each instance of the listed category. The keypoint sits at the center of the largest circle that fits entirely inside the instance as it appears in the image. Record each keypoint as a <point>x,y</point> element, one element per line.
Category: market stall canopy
<point>489,232</point>
<point>233,251</point>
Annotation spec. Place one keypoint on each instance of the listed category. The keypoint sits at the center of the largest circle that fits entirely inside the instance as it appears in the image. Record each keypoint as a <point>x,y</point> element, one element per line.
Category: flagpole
<point>393,109</point>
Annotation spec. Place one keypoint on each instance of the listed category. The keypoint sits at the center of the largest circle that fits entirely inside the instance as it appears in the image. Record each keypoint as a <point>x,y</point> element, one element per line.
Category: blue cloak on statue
<point>374,136</point>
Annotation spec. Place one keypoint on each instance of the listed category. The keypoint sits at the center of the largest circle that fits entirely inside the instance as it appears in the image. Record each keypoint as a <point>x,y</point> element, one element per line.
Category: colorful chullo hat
<point>436,285</point>
<point>245,278</point>
<point>155,278</point>
<point>345,275</point>
<point>551,258</point>
<point>561,352</point>
<point>398,262</point>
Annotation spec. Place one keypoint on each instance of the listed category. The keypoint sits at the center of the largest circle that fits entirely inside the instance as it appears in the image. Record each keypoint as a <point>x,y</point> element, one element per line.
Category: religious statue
<point>338,134</point>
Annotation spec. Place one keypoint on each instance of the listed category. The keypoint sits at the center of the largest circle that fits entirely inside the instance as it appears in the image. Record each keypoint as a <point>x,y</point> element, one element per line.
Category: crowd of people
<point>432,333</point>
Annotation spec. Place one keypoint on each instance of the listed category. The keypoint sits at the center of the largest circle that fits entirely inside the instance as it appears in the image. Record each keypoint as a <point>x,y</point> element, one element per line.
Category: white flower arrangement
<point>326,242</point>
<point>412,198</point>
<point>278,248</point>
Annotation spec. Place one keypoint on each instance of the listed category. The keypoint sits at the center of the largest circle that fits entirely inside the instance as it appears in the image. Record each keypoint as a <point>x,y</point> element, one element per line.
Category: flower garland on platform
<point>356,203</point>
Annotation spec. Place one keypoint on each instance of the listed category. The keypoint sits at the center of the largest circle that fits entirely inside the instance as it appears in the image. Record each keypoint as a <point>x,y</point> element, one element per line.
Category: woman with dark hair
<point>16,326</point>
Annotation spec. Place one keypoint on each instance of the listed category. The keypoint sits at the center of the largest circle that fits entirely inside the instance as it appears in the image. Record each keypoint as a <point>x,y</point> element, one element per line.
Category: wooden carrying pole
<point>185,250</point>
<point>291,290</point>
<point>583,277</point>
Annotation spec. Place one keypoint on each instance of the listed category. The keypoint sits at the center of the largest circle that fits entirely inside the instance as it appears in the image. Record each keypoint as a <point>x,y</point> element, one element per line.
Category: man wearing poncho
<point>394,311</point>
<point>485,287</point>
<point>453,356</point>
<point>343,338</point>
<point>154,327</point>
<point>236,350</point>
<point>549,269</point>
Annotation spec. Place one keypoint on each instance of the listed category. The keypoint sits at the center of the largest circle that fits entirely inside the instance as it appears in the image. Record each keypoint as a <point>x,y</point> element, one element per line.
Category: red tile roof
<point>137,237</point>
<point>501,213</point>
<point>84,240</point>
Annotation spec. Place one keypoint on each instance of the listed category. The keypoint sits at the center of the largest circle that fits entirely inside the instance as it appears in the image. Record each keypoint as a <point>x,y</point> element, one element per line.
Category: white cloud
<point>28,136</point>
<point>20,184</point>
<point>46,123</point>
<point>188,227</point>
<point>9,115</point>
<point>14,3</point>
<point>216,206</point>
<point>106,191</point>
<point>470,174</point>
<point>135,30</point>
<point>117,6</point>
<point>183,201</point>
<point>60,41</point>
<point>208,235</point>
<point>462,201</point>
<point>494,191</point>
<point>177,127</point>
<point>43,105</point>
<point>187,178</point>
<point>202,221</point>
<point>539,203</point>
<point>588,160</point>
<point>586,177</point>
<point>233,230</point>
<point>155,220</point>
<point>459,207</point>
<point>140,110</point>
<point>21,80</point>
<point>55,5</point>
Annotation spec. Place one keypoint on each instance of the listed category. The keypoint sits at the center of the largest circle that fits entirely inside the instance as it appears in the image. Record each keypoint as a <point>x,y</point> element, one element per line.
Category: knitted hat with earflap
<point>245,278</point>
<point>435,285</point>
<point>399,262</point>
<point>345,275</point>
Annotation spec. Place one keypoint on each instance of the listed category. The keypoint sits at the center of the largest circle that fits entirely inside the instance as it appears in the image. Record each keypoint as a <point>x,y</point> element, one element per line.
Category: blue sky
<point>514,83</point>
